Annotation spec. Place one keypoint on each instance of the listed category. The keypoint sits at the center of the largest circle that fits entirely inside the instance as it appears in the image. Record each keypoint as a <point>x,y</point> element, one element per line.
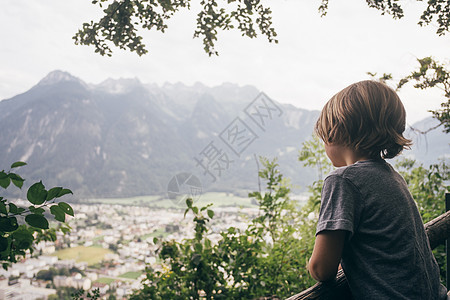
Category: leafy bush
<point>268,258</point>
<point>15,239</point>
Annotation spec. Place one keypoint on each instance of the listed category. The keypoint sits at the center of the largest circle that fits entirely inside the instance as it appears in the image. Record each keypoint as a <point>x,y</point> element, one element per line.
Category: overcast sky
<point>315,58</point>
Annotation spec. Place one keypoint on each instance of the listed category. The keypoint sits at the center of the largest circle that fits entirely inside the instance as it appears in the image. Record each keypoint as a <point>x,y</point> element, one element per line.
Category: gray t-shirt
<point>386,253</point>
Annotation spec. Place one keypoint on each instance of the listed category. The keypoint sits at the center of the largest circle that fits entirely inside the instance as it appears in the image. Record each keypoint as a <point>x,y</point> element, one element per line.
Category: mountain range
<point>123,138</point>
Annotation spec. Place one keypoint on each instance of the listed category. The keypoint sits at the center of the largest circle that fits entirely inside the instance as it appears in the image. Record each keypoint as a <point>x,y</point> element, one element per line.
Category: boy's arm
<point>324,262</point>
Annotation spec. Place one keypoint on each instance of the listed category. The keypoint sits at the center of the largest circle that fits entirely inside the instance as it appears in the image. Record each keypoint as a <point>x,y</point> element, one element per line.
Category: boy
<point>368,221</point>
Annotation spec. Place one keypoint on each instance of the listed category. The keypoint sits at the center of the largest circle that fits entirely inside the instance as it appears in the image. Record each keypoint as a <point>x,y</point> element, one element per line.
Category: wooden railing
<point>438,230</point>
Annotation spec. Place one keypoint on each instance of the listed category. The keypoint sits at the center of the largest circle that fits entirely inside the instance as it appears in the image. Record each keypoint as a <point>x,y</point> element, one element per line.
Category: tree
<point>438,10</point>
<point>122,19</point>
<point>15,239</point>
<point>46,274</point>
<point>433,74</point>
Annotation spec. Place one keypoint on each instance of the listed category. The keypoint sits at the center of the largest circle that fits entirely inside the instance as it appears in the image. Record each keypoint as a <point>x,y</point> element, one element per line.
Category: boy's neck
<point>342,156</point>
<point>354,157</point>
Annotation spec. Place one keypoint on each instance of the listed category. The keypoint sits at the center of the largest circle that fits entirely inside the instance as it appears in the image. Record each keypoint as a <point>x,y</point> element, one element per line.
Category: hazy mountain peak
<point>199,86</point>
<point>119,86</point>
<point>173,86</point>
<point>58,76</point>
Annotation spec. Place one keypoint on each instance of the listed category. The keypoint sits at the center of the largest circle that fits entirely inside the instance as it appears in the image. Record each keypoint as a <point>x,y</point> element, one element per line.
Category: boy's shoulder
<point>363,169</point>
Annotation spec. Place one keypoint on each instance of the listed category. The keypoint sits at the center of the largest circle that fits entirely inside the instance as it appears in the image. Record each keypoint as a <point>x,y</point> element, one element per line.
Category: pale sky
<point>315,58</point>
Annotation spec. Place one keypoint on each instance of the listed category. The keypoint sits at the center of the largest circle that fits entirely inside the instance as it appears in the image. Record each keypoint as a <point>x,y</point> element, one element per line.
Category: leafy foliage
<point>436,9</point>
<point>385,6</point>
<point>268,258</point>
<point>15,239</point>
<point>121,19</point>
<point>432,73</point>
<point>81,294</point>
<point>313,154</point>
<point>427,186</point>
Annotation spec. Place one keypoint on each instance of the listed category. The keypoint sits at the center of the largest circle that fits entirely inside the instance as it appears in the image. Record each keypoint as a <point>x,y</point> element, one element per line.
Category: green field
<point>131,275</point>
<point>218,200</point>
<point>224,199</point>
<point>157,233</point>
<point>105,280</point>
<point>91,255</point>
<point>140,200</point>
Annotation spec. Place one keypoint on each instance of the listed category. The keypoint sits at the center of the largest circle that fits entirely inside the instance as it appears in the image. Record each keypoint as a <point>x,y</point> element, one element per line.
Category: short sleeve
<point>338,205</point>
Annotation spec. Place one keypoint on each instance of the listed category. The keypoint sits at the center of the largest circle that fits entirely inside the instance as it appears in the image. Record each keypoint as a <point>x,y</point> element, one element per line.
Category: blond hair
<point>366,116</point>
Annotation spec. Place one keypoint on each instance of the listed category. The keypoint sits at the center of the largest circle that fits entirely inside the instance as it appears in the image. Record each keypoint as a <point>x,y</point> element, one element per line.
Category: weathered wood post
<point>447,245</point>
<point>438,231</point>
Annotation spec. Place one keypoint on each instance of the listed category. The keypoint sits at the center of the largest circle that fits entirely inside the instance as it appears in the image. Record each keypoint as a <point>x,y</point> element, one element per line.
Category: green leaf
<point>36,193</point>
<point>53,193</point>
<point>65,229</point>
<point>66,208</point>
<point>16,180</point>
<point>198,247</point>
<point>58,213</point>
<point>3,208</point>
<point>12,208</point>
<point>155,240</point>
<point>195,209</point>
<point>17,183</point>
<point>196,259</point>
<point>23,238</point>
<point>4,182</point>
<point>189,202</point>
<point>210,213</point>
<point>37,221</point>
<point>64,192</point>
<point>18,164</point>
<point>8,224</point>
<point>15,176</point>
<point>38,211</point>
<point>4,242</point>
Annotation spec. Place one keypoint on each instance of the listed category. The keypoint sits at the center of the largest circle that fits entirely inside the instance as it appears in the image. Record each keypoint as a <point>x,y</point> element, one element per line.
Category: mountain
<point>123,138</point>
<point>428,145</point>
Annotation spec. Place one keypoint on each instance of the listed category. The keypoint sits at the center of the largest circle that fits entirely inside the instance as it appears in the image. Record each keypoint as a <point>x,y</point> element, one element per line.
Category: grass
<point>139,200</point>
<point>157,233</point>
<point>91,255</point>
<point>131,275</point>
<point>97,238</point>
<point>224,199</point>
<point>105,280</point>
<point>218,200</point>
